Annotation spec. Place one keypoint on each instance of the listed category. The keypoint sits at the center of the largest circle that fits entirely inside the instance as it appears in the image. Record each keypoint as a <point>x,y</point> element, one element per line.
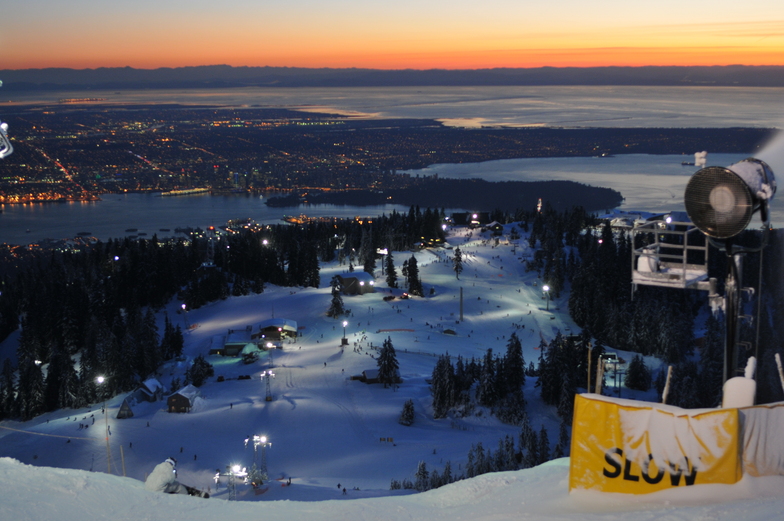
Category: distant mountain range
<point>224,76</point>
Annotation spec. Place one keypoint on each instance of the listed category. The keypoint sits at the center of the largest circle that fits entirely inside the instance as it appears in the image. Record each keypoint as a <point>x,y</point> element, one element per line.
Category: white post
<point>667,385</point>
<point>781,372</point>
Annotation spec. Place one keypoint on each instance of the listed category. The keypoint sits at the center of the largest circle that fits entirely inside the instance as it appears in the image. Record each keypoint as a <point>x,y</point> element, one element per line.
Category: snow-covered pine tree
<point>457,262</point>
<point>200,371</point>
<point>391,272</point>
<point>414,284</point>
<point>422,477</point>
<point>336,307</point>
<point>407,415</point>
<point>387,363</point>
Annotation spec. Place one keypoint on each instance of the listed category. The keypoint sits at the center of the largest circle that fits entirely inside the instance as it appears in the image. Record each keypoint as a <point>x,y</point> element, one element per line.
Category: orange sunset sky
<point>422,34</point>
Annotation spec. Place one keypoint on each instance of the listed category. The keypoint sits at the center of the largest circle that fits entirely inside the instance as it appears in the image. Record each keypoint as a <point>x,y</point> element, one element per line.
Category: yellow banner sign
<point>629,447</point>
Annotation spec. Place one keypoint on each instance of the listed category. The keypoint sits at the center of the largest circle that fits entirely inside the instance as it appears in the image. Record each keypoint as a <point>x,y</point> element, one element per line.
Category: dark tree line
<point>656,321</point>
<point>493,382</point>
<point>96,305</point>
<point>532,449</point>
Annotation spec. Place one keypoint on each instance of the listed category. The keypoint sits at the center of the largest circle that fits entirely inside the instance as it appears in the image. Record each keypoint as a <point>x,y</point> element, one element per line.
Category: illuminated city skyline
<point>405,34</point>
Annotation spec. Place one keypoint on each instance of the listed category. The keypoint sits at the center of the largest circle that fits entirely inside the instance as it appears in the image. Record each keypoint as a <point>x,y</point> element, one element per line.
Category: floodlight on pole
<point>100,380</point>
<point>546,290</point>
<point>258,472</point>
<point>344,340</point>
<point>721,202</point>
<point>267,375</point>
<point>185,314</point>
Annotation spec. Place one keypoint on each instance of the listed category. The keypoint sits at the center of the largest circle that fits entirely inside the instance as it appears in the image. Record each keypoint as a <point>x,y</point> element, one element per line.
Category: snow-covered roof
<point>189,391</point>
<point>284,323</point>
<point>239,336</point>
<point>152,385</point>
<point>363,276</point>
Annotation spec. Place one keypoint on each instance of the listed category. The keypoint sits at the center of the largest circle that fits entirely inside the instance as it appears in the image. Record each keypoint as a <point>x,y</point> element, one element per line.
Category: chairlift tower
<point>267,375</point>
<point>258,473</point>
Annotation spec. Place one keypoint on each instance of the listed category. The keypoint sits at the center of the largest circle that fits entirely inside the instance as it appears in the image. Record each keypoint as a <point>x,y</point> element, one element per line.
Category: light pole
<point>185,314</point>
<point>268,375</point>
<point>344,341</point>
<point>100,380</point>
<point>546,290</point>
<point>233,471</point>
<point>258,473</point>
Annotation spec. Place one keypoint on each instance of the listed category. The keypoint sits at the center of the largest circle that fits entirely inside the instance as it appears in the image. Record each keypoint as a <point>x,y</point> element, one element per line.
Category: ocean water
<point>553,106</point>
<point>651,183</point>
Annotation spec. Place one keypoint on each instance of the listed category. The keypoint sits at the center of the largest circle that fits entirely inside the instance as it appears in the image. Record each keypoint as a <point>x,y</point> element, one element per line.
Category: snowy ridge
<point>37,493</point>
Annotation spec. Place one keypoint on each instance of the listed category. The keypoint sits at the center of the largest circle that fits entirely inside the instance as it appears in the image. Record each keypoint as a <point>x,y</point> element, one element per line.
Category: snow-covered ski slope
<point>326,429</point>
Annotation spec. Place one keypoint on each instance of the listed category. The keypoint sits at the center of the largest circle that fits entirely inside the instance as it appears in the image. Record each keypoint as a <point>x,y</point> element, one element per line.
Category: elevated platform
<point>670,254</point>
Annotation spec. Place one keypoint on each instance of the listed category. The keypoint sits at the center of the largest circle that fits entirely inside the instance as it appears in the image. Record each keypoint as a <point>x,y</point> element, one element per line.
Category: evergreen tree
<point>481,464</point>
<point>30,389</point>
<point>422,481</point>
<point>367,253</point>
<point>446,475</point>
<point>470,466</point>
<point>435,479</point>
<point>387,363</point>
<point>391,272</point>
<point>566,399</point>
<point>638,376</point>
<point>544,446</point>
<point>414,284</point>
<point>7,390</point>
<point>199,371</point>
<point>458,263</point>
<point>407,416</point>
<point>442,386</point>
<point>336,307</point>
<point>564,441</point>
<point>514,364</point>
<point>486,392</point>
<point>529,444</point>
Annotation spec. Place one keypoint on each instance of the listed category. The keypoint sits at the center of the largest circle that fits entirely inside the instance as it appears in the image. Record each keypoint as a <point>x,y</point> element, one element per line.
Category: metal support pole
<point>732,295</point>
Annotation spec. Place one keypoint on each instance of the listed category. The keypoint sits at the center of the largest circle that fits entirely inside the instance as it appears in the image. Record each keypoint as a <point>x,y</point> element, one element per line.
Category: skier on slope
<point>163,478</point>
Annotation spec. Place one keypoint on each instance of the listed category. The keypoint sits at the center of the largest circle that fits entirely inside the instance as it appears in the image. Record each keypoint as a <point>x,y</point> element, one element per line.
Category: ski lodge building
<point>357,283</point>
<point>276,329</point>
<point>182,400</point>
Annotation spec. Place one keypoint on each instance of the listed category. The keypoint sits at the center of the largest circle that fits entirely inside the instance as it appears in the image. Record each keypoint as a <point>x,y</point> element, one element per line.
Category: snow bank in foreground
<point>35,493</point>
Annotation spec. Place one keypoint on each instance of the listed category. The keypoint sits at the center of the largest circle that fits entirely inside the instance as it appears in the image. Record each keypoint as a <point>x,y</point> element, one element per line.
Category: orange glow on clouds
<point>503,35</point>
